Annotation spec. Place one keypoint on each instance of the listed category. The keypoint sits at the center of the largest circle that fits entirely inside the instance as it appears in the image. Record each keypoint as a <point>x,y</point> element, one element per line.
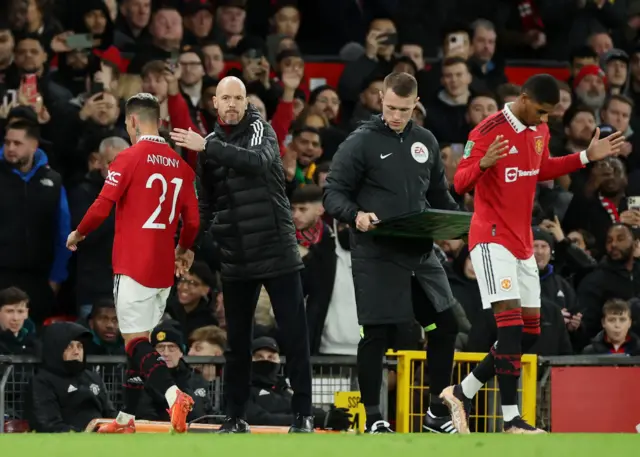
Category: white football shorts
<point>139,308</point>
<point>502,276</point>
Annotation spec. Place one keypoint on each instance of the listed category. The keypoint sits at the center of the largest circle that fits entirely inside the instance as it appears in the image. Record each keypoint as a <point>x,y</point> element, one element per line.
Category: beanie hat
<point>168,332</point>
<point>589,70</point>
<point>542,235</point>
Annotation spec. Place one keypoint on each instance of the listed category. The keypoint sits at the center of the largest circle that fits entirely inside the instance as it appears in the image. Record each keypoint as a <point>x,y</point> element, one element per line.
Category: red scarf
<point>610,207</point>
<point>621,349</point>
<point>312,235</point>
<point>529,16</point>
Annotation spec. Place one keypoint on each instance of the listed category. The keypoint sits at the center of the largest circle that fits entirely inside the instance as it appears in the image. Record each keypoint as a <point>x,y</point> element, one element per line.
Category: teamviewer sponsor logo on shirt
<point>513,173</point>
<point>113,178</point>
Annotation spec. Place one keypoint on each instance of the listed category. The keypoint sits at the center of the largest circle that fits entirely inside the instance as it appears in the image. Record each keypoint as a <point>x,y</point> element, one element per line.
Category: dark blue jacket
<point>36,219</point>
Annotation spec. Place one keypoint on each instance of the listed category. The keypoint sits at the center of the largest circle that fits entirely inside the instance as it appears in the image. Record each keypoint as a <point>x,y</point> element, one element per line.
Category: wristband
<point>583,157</point>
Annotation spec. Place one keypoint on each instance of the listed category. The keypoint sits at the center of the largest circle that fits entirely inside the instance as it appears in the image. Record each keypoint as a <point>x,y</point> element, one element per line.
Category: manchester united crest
<point>538,143</point>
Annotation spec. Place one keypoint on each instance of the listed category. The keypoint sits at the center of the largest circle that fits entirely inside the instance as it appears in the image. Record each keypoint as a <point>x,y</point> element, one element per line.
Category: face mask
<point>344,238</point>
<point>265,371</point>
<point>73,367</point>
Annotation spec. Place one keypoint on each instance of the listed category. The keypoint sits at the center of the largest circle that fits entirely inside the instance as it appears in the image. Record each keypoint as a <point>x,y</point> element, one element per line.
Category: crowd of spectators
<point>67,66</point>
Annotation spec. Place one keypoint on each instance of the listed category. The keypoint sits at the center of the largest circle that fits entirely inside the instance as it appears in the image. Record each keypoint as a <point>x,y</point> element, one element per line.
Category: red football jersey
<point>152,187</point>
<point>505,193</point>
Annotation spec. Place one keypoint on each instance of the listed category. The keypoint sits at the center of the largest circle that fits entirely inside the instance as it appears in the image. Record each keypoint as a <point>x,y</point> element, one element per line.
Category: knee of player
<point>505,305</point>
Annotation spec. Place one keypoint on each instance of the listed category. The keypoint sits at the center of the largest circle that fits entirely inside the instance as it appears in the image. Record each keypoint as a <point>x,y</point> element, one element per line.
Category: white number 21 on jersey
<point>177,184</point>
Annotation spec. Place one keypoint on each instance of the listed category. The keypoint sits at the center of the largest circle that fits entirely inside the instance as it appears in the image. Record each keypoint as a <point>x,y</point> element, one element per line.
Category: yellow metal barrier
<point>413,392</point>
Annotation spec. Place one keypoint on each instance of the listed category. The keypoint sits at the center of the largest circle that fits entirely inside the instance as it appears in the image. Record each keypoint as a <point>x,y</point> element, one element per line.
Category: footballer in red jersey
<point>153,188</point>
<point>506,156</point>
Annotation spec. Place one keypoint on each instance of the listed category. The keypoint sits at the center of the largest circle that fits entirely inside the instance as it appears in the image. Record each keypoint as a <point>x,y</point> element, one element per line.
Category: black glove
<point>337,419</point>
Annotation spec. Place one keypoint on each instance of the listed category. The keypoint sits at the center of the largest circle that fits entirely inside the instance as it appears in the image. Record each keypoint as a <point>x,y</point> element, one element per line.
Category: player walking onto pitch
<point>152,187</point>
<point>505,157</point>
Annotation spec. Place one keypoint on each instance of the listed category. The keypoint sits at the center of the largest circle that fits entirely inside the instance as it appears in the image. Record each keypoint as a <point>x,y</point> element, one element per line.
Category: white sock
<point>470,386</point>
<point>509,412</point>
<point>124,418</point>
<point>171,395</point>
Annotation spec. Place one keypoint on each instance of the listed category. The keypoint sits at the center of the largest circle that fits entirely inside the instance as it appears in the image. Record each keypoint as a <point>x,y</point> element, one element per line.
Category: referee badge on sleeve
<point>467,149</point>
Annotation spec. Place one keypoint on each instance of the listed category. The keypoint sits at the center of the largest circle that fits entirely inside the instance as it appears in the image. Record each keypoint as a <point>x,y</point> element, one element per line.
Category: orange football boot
<point>114,427</point>
<point>179,412</point>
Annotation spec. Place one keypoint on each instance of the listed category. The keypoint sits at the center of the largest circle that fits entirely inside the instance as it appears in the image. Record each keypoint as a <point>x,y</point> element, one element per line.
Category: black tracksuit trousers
<point>287,301</point>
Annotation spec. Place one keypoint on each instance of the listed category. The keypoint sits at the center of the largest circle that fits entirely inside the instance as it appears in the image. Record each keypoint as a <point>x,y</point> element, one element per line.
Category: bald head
<point>231,100</point>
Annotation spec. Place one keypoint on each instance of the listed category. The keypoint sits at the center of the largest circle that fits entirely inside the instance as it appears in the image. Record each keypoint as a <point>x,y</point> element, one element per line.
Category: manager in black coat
<point>64,396</point>
<point>389,167</point>
<point>242,183</point>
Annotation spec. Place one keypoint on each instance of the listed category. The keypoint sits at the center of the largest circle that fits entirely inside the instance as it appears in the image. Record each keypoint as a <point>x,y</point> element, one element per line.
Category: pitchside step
<point>143,426</point>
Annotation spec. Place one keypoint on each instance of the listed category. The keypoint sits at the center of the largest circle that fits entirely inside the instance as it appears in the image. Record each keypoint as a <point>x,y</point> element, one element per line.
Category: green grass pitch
<point>400,445</point>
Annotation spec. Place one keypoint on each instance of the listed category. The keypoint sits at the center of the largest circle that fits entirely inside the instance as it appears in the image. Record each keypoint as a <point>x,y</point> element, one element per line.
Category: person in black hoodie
<point>191,303</point>
<point>270,399</point>
<point>168,341</point>
<point>64,396</point>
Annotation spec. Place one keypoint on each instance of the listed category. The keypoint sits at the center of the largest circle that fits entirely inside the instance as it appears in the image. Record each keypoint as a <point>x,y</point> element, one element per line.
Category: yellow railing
<point>413,392</point>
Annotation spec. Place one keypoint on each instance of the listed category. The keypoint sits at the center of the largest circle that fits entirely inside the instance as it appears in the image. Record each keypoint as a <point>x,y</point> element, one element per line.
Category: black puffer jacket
<point>242,191</point>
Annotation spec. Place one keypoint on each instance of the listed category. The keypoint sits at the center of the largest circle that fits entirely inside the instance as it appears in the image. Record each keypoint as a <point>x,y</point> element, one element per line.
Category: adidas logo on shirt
<point>513,150</point>
<point>71,389</point>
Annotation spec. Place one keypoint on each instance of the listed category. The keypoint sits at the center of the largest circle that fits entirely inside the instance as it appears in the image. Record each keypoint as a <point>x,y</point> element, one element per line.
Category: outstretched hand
<point>188,139</point>
<point>601,148</point>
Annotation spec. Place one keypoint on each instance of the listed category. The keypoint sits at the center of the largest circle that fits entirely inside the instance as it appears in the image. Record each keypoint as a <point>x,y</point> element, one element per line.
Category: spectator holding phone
<point>379,47</point>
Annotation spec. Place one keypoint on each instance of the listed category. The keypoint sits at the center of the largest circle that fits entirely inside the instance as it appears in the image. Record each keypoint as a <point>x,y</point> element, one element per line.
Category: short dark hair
<point>309,193</point>
<point>402,84</point>
<point>300,130</point>
<point>145,105</point>
<point>616,225</point>
<point>616,306</point>
<point>485,94</point>
<point>13,296</point>
<point>543,89</point>
<point>582,52</point>
<point>30,129</point>
<point>153,67</point>
<point>507,90</point>
<point>620,98</point>
<point>573,111</point>
<point>455,60</point>
<point>105,303</point>
<point>564,86</point>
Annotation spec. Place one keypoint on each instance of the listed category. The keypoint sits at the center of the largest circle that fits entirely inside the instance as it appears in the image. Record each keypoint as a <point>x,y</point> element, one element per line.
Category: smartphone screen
<point>389,39</point>
<point>80,41</point>
<point>10,97</point>
<point>456,42</point>
<point>29,88</point>
<point>633,203</point>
